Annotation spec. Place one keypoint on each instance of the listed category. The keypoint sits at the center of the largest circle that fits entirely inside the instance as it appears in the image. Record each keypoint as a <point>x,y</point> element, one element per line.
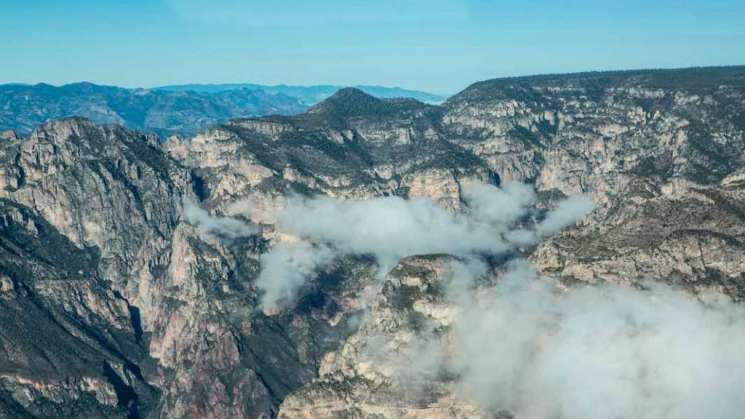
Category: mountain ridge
<point>313,94</point>
<point>22,107</point>
<point>680,78</point>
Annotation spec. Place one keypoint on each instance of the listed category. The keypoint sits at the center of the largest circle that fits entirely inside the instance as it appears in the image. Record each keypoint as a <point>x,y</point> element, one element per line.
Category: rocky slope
<point>147,312</point>
<point>662,153</point>
<point>351,145</point>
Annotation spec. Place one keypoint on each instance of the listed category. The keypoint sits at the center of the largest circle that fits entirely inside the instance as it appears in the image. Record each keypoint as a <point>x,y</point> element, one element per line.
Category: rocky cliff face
<point>661,152</point>
<point>118,301</point>
<point>374,373</point>
<point>351,145</point>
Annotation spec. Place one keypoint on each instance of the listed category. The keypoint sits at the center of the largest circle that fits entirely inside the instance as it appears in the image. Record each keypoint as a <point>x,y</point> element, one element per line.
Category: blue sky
<point>435,45</point>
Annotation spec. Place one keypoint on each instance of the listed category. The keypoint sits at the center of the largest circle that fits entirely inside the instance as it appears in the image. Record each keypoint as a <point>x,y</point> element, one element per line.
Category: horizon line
<point>311,85</point>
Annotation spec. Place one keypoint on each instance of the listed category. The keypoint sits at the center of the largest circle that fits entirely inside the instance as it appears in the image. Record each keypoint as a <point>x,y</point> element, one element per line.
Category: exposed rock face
<point>112,304</point>
<point>73,339</point>
<point>678,231</point>
<point>661,152</point>
<point>142,315</point>
<point>367,376</point>
<point>350,146</point>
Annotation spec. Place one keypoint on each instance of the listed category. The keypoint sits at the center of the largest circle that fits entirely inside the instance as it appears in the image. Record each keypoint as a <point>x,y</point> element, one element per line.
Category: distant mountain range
<point>22,107</point>
<point>166,110</point>
<point>310,95</point>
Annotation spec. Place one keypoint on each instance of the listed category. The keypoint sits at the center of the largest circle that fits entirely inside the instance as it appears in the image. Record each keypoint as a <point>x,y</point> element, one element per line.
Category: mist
<point>286,268</point>
<point>539,350</point>
<point>390,228</point>
<point>226,227</point>
<point>519,342</point>
<point>566,213</point>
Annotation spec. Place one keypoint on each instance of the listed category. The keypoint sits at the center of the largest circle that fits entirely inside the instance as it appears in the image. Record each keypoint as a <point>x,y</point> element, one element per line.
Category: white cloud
<point>286,268</point>
<point>566,214</point>
<point>499,206</point>
<point>220,226</point>
<point>526,344</point>
<point>598,352</point>
<point>391,228</point>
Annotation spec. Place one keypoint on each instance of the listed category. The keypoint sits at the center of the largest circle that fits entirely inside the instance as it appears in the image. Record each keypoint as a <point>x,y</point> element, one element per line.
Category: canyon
<point>131,263</point>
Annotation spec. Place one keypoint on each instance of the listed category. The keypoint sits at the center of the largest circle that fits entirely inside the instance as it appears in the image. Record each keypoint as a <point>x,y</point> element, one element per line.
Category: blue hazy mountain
<point>309,95</point>
<point>23,107</point>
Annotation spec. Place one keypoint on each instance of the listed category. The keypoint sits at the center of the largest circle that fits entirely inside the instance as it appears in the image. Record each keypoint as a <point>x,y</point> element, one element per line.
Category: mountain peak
<point>352,93</point>
<point>62,129</point>
<point>348,102</point>
<point>353,102</point>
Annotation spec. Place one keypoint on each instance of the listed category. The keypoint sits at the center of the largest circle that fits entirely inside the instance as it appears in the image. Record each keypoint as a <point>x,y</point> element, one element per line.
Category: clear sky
<point>435,45</point>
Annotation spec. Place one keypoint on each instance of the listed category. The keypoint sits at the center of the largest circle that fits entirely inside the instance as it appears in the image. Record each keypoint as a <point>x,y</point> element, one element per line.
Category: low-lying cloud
<point>519,342</point>
<point>286,268</point>
<point>227,227</point>
<point>391,228</point>
<point>388,228</point>
<point>499,206</point>
<point>606,351</point>
<point>566,213</point>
